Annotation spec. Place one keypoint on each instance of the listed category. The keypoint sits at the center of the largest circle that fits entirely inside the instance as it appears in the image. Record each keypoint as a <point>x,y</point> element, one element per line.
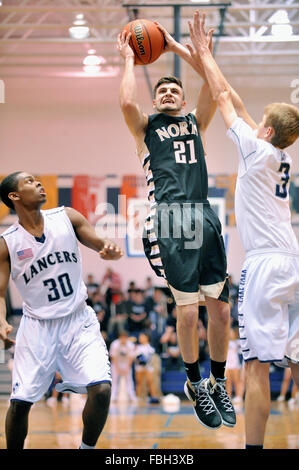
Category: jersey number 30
<point>65,287</point>
<point>281,190</point>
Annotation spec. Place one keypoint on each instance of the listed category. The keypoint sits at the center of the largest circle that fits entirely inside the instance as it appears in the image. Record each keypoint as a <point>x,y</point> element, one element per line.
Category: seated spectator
<point>170,326</point>
<point>156,308</point>
<point>137,317</point>
<point>172,353</point>
<point>91,285</point>
<point>111,287</point>
<point>117,322</point>
<point>101,312</point>
<point>149,287</point>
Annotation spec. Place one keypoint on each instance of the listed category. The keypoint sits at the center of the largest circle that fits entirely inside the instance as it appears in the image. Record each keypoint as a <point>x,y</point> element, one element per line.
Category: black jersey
<point>175,164</point>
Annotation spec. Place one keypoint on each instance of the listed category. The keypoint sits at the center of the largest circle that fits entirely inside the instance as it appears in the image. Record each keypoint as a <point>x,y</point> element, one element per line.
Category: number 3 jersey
<point>174,161</point>
<point>48,270</point>
<point>262,193</point>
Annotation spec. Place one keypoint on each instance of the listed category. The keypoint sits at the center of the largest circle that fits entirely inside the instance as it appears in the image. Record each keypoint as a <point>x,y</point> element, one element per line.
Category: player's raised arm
<point>87,235</point>
<point>136,120</point>
<point>229,102</point>
<point>5,328</point>
<point>206,106</point>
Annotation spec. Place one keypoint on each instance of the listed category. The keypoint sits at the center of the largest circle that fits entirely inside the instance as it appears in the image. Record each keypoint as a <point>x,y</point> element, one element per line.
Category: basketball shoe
<point>204,408</point>
<point>219,396</point>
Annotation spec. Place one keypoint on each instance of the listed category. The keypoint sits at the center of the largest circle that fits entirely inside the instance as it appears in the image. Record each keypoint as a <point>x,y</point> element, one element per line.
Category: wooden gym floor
<point>144,426</point>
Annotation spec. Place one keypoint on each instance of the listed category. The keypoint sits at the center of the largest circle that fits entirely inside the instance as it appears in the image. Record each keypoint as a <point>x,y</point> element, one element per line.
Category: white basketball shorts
<point>72,345</point>
<point>269,308</point>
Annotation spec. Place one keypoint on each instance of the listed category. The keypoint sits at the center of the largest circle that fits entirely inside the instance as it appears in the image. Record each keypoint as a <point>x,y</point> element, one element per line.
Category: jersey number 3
<point>281,189</point>
<point>65,287</point>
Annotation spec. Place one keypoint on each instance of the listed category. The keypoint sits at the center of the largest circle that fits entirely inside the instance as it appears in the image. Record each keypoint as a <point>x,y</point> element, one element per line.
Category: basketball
<point>147,41</point>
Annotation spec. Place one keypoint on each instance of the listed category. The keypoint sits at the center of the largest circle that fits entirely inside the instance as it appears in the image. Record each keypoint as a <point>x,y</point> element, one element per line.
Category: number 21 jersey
<point>47,271</point>
<point>175,164</point>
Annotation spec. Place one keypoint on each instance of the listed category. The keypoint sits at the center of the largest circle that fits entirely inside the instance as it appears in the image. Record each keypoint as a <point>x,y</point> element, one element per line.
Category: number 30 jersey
<point>262,193</point>
<point>174,161</point>
<point>48,270</point>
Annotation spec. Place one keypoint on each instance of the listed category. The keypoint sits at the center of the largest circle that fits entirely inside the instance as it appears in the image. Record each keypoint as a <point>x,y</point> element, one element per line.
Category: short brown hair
<point>169,79</point>
<point>284,118</point>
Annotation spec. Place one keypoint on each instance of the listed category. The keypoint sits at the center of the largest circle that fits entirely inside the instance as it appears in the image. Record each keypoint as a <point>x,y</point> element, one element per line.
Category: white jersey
<point>262,198</point>
<point>48,270</point>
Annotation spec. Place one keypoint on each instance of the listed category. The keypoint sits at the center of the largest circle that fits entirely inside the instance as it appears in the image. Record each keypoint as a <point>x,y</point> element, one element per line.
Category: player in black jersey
<point>183,239</point>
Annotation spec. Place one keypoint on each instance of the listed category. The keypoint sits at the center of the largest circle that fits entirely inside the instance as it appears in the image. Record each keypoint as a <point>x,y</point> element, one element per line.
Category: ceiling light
<point>281,28</point>
<point>92,63</point>
<point>282,31</point>
<point>80,29</point>
<point>279,17</point>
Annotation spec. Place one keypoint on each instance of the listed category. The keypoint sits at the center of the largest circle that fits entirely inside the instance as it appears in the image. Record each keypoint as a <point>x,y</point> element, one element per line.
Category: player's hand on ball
<point>110,251</point>
<point>170,42</point>
<point>123,45</point>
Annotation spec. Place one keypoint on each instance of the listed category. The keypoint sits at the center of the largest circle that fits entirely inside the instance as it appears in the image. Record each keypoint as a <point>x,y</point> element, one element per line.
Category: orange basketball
<point>147,41</point>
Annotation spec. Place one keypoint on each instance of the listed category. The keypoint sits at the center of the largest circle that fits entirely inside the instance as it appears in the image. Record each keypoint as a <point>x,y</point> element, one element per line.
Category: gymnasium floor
<point>145,426</point>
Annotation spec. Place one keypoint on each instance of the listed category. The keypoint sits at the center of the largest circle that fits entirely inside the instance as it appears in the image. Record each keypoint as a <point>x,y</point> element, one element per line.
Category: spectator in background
<point>137,316</point>
<point>149,287</point>
<point>156,308</point>
<point>203,341</point>
<point>111,287</point>
<point>170,326</point>
<point>144,369</point>
<point>117,323</point>
<point>172,353</point>
<point>233,367</point>
<point>92,285</point>
<point>132,286</point>
<point>101,312</point>
<point>122,355</point>
<point>287,378</point>
<point>233,297</point>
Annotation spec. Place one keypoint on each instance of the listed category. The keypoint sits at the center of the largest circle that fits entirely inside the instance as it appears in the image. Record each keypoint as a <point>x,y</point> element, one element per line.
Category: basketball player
<point>269,286</point>
<point>58,331</point>
<point>169,146</point>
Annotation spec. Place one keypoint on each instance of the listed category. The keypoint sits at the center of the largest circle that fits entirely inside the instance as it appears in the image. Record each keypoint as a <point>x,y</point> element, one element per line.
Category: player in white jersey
<point>269,285</point>
<point>58,331</point>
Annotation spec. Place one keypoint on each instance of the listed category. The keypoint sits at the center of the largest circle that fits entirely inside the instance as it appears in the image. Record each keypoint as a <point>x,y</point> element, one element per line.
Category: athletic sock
<point>253,447</point>
<point>85,446</point>
<point>217,369</point>
<point>192,371</point>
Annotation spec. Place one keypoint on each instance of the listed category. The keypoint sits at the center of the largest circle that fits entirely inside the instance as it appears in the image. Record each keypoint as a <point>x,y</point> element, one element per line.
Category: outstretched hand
<point>201,40</point>
<point>110,251</point>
